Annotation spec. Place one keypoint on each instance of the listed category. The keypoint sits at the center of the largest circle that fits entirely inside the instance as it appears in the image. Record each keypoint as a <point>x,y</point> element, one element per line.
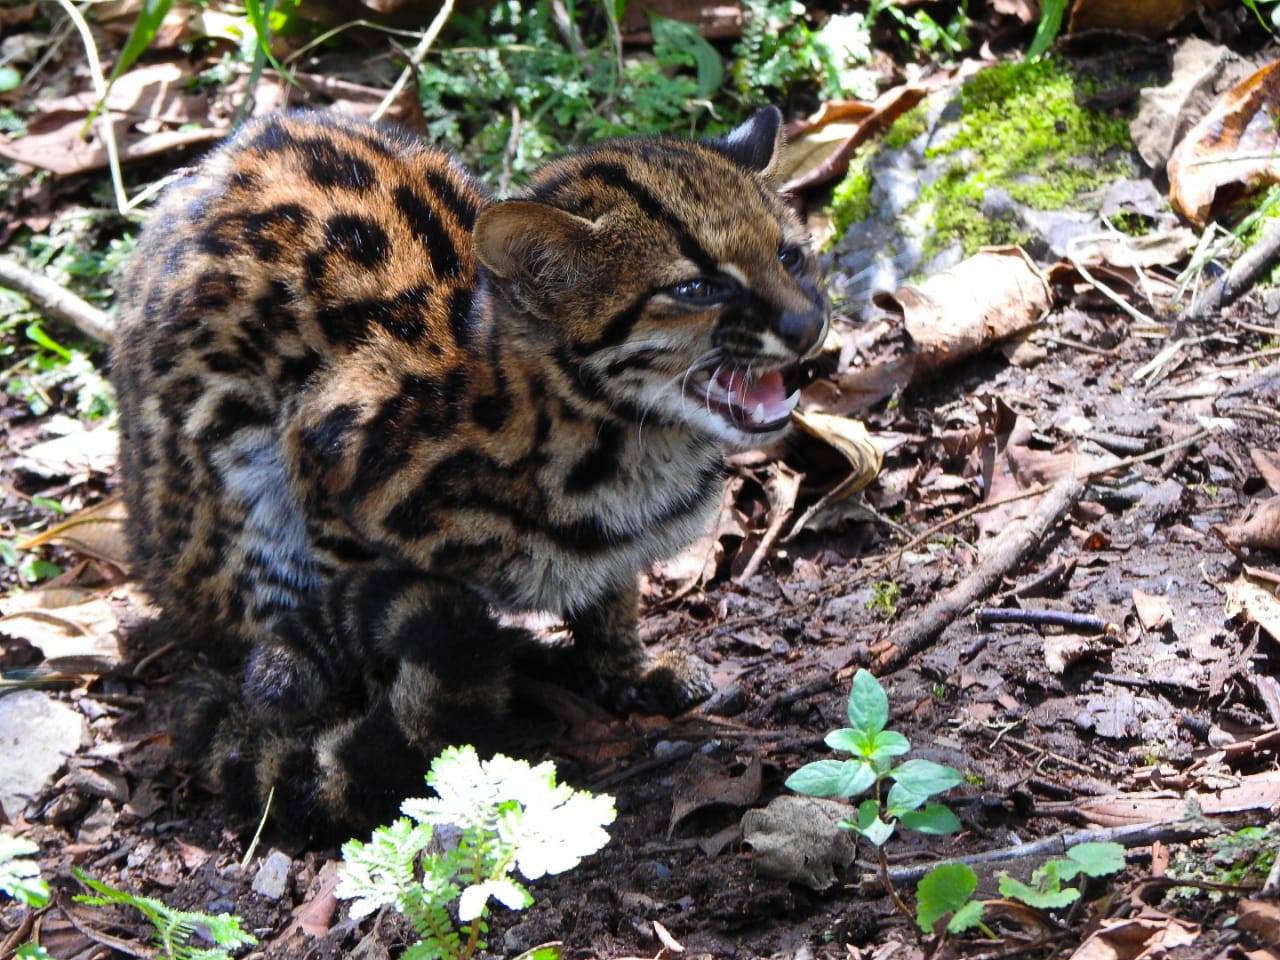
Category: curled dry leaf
<point>1256,602</point>
<point>1140,938</point>
<point>705,782</point>
<point>1148,18</point>
<point>995,294</point>
<point>1260,532</point>
<point>1232,152</point>
<point>1154,612</point>
<point>1164,248</point>
<point>1268,464</point>
<point>851,440</point>
<point>97,532</point>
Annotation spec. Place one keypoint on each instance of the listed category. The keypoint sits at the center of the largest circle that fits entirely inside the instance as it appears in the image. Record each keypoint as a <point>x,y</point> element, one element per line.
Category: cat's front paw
<point>672,683</point>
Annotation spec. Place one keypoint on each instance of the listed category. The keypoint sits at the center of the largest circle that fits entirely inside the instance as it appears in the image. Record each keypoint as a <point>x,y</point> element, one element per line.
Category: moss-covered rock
<point>1011,156</point>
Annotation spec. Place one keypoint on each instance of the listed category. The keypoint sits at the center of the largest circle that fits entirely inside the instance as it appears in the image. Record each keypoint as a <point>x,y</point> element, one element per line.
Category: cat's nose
<point>802,331</point>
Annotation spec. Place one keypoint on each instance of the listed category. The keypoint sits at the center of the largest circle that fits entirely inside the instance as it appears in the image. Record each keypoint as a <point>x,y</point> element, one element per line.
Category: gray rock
<point>36,736</point>
<point>272,878</point>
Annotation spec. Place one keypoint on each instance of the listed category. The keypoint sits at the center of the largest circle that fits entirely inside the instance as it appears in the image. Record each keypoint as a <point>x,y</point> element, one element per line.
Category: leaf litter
<point>1164,528</point>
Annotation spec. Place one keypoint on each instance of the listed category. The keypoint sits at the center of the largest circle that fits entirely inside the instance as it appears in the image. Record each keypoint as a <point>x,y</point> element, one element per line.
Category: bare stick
<point>419,54</point>
<point>1241,277</point>
<point>1130,835</point>
<point>55,301</point>
<point>1077,622</point>
<point>1006,551</point>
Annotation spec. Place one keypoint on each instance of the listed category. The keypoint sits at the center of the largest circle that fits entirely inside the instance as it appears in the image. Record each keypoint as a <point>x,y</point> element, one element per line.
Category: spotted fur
<point>364,406</point>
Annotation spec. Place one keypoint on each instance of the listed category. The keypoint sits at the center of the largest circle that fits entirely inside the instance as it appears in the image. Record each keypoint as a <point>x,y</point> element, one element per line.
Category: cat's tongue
<point>761,401</point>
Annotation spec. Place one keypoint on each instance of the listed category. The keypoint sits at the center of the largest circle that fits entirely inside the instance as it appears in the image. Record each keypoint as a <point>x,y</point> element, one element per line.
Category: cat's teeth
<point>791,401</point>
<point>759,413</point>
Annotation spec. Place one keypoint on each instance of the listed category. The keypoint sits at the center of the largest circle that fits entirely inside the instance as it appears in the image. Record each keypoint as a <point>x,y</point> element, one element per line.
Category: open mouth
<point>755,403</point>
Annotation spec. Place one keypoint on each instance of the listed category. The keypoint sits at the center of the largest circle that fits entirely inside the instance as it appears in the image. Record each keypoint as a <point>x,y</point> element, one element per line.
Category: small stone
<point>98,824</point>
<point>728,701</point>
<point>272,877</point>
<point>39,733</point>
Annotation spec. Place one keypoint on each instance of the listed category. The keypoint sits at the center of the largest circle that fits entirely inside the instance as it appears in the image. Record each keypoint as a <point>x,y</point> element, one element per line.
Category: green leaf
<point>20,877</point>
<point>935,819</point>
<point>888,743</point>
<point>32,951</point>
<point>1098,859</point>
<point>36,333</point>
<point>868,823</point>
<point>849,740</point>
<point>506,891</point>
<point>258,12</point>
<point>140,37</point>
<point>821,778</point>
<point>547,951</point>
<point>967,917</point>
<point>9,79</point>
<point>942,891</point>
<point>677,42</point>
<point>1051,12</point>
<point>1048,895</point>
<point>868,704</point>
<point>915,781</point>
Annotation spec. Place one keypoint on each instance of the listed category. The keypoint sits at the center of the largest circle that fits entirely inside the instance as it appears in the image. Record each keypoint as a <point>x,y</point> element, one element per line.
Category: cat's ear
<point>756,143</point>
<point>541,249</point>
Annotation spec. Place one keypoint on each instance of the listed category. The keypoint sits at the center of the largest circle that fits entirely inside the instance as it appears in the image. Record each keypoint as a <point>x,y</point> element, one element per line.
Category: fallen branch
<point>1129,835</point>
<point>1005,553</point>
<point>54,301</point>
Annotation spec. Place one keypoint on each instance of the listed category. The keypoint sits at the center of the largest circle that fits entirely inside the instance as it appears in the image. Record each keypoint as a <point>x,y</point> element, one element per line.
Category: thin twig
<point>105,124</point>
<point>55,301</point>
<point>1074,256</point>
<point>1243,274</point>
<point>415,60</point>
<point>1078,622</point>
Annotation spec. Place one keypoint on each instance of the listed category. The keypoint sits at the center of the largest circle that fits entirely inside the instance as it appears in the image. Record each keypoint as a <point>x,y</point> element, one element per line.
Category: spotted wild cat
<point>364,406</point>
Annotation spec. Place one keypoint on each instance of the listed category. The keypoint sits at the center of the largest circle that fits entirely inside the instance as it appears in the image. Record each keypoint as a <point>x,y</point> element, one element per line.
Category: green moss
<point>1021,127</point>
<point>907,127</point>
<point>851,200</point>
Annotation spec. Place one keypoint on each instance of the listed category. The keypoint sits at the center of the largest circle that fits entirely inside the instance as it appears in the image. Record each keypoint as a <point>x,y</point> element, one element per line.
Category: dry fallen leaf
<point>1261,531</point>
<point>1268,464</point>
<point>1233,151</point>
<point>97,532</point>
<point>1154,612</point>
<point>705,782</point>
<point>1255,602</point>
<point>1148,18</point>
<point>1139,938</point>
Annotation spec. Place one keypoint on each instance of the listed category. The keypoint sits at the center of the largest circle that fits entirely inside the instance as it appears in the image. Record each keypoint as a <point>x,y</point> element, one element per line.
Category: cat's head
<point>668,279</point>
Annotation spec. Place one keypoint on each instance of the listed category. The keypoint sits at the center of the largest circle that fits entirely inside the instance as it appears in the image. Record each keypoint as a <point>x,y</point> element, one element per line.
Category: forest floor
<point>1158,696</point>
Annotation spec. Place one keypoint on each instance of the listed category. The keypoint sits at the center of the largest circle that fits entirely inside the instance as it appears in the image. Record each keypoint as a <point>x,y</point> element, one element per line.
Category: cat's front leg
<point>612,663</point>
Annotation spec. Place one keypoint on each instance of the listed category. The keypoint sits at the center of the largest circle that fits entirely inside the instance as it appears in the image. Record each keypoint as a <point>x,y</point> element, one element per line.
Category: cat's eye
<point>791,258</point>
<point>702,290</point>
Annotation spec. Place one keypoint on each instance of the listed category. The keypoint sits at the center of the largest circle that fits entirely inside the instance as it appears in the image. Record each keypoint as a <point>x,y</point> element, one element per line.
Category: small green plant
<point>884,599</point>
<point>1233,858</point>
<point>777,52</point>
<point>946,891</point>
<point>174,929</point>
<point>513,90</point>
<point>19,876</point>
<point>871,765</point>
<point>507,816</point>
